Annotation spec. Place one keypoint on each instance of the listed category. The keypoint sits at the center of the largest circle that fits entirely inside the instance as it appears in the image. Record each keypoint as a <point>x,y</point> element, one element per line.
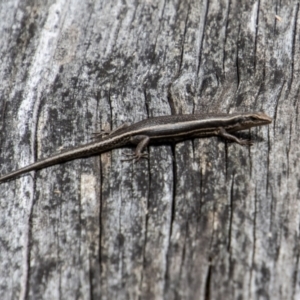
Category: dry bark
<point>202,219</point>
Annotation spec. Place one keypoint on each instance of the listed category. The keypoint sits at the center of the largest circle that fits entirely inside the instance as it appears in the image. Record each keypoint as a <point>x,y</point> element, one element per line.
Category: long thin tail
<point>68,155</point>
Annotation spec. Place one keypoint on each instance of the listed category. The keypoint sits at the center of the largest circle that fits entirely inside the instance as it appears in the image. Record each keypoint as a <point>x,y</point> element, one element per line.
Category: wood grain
<point>201,219</point>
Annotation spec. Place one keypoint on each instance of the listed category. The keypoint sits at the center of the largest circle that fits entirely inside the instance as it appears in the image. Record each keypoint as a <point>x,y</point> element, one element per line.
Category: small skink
<point>173,128</point>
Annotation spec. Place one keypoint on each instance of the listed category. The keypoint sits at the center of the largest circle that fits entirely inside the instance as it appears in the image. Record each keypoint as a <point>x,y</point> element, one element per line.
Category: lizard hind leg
<point>142,142</point>
<point>133,156</point>
<point>106,132</point>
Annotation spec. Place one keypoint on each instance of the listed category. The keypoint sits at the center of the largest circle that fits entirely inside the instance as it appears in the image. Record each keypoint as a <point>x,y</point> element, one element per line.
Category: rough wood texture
<point>203,219</point>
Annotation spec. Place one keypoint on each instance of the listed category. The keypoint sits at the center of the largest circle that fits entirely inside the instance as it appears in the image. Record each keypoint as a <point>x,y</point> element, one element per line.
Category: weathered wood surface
<point>202,219</point>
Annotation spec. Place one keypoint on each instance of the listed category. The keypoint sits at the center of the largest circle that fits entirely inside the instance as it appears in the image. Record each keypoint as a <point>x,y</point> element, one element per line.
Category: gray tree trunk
<point>202,219</point>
